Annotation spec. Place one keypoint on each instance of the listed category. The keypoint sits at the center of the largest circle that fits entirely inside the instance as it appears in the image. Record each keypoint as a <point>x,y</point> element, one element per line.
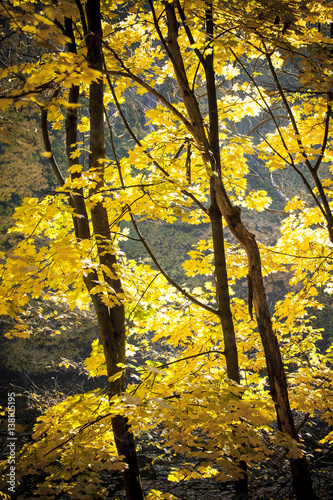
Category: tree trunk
<point>276,374</point>
<point>277,379</point>
<point>221,276</point>
<point>211,153</point>
<point>111,320</point>
<point>222,294</point>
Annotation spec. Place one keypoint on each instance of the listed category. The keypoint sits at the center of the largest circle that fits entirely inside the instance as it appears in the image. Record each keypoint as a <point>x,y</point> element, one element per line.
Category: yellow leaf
<point>46,154</point>
<point>75,154</point>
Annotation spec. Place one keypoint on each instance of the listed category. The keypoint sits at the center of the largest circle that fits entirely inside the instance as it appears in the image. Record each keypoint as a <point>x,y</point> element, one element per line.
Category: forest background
<point>171,165</point>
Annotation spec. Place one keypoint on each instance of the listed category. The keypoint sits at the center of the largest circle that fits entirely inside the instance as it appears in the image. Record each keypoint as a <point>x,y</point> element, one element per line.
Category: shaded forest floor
<point>272,481</point>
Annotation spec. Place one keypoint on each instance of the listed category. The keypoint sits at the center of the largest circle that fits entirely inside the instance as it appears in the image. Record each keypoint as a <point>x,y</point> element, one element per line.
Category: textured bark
<point>208,148</point>
<point>81,223</point>
<point>276,374</point>
<point>275,368</point>
<point>222,295</point>
<point>111,320</point>
<point>221,275</point>
<point>211,152</point>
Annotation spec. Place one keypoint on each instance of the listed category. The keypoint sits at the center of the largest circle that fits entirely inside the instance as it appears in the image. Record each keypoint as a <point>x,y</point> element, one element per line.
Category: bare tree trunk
<point>222,294</point>
<point>222,285</point>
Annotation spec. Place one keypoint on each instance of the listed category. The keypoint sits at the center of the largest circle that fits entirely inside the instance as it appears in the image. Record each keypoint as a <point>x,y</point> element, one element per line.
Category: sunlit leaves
<point>258,200</point>
<point>181,381</point>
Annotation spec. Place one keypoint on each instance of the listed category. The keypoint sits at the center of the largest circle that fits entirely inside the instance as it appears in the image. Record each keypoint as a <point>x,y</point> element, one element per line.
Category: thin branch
<point>80,430</point>
<point>104,190</point>
<point>327,123</point>
<point>271,210</point>
<point>196,201</point>
<point>20,77</point>
<point>167,277</point>
<point>189,33</point>
<point>128,74</point>
<point>130,131</point>
<point>143,293</point>
<point>159,32</point>
<point>324,456</point>
<point>36,90</point>
<point>125,236</point>
<point>82,17</point>
<point>125,209</point>
<point>191,357</point>
<point>275,151</point>
<point>264,122</point>
<point>299,173</point>
<point>289,111</point>
<point>316,257</point>
<point>268,108</point>
<point>325,209</point>
<point>47,142</point>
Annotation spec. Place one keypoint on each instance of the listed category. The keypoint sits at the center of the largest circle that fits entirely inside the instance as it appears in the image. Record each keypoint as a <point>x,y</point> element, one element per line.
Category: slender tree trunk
<point>81,223</point>
<point>276,374</point>
<point>211,152</point>
<point>229,337</point>
<point>111,320</point>
<point>222,294</point>
<point>221,276</point>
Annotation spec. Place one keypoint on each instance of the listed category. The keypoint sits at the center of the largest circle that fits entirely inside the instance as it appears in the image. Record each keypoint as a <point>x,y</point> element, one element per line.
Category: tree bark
<point>211,152</point>
<point>81,224</point>
<point>111,320</point>
<point>222,294</point>
<point>221,274</point>
<point>276,374</point>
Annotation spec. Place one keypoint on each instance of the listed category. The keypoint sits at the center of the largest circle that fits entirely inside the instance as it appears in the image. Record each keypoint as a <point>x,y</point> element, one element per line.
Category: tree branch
<point>138,142</point>
<point>167,277</point>
<point>327,123</point>
<point>268,108</point>
<point>47,142</point>
<point>289,111</point>
<point>191,357</point>
<point>128,74</point>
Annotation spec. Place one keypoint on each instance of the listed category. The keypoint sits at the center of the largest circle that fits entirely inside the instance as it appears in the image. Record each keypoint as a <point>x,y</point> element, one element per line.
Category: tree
<point>110,315</point>
<point>278,386</point>
<point>188,158</point>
